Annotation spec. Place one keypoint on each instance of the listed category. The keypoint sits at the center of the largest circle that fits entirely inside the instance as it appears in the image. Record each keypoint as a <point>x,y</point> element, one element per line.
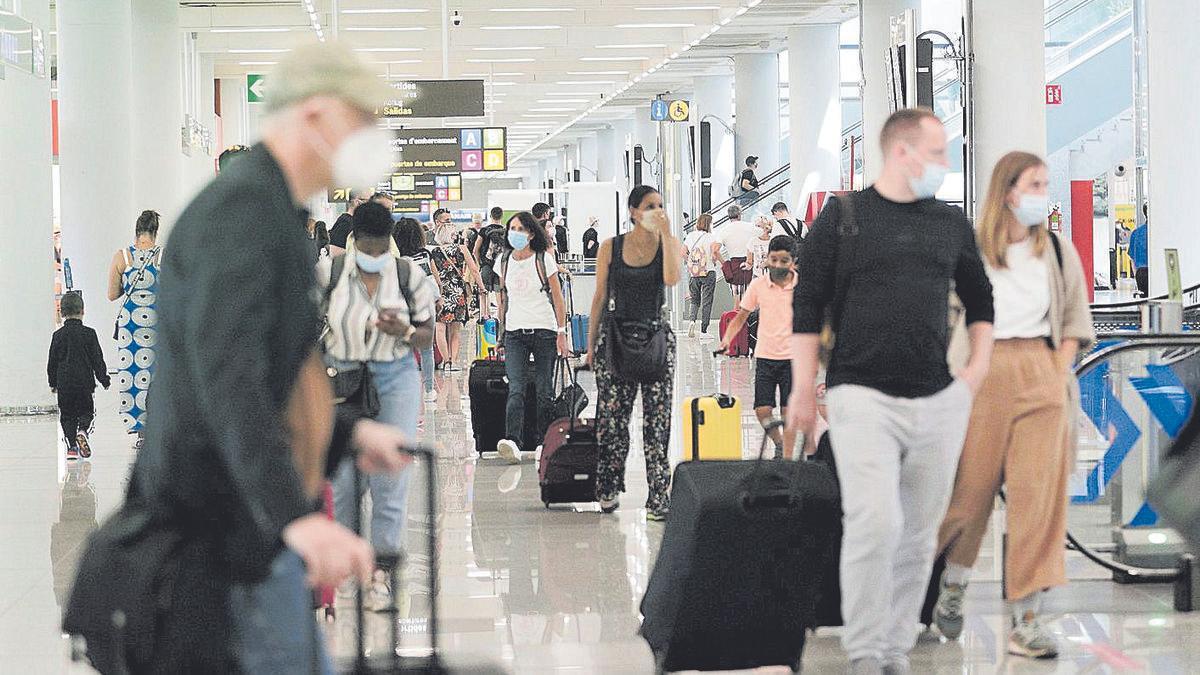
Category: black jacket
<point>76,362</point>
<point>237,318</point>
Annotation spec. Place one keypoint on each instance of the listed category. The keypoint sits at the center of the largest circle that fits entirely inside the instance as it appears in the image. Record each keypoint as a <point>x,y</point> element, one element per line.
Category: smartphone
<point>389,313</point>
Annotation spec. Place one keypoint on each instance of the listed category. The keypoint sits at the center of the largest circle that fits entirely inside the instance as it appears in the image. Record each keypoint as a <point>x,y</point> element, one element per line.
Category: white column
<point>606,157</point>
<point>756,92</point>
<point>199,168</point>
<point>156,109</point>
<point>1174,97</point>
<point>1010,83</point>
<point>96,148</point>
<point>589,158</point>
<point>714,100</point>
<point>876,38</point>
<point>815,111</point>
<point>234,113</point>
<point>27,257</point>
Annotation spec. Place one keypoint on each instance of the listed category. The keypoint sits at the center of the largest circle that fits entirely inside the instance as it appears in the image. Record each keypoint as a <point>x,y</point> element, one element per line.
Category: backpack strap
<point>1058,254</point>
<point>847,227</point>
<point>403,276</point>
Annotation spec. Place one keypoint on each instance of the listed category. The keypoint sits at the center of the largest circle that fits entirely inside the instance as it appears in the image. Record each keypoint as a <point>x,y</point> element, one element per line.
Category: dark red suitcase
<point>740,345</point>
<point>567,469</point>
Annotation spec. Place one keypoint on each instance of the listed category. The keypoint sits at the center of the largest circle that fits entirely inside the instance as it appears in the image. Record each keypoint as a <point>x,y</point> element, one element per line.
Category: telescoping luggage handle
<point>751,500</point>
<point>428,454</point>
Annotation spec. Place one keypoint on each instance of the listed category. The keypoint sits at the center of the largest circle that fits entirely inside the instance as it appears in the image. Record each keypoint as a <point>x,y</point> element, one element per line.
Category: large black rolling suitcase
<point>739,572</point>
<point>487,389</point>
<point>390,662</point>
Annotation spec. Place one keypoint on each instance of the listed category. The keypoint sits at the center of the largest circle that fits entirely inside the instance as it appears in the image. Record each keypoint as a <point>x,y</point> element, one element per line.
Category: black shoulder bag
<point>636,348</point>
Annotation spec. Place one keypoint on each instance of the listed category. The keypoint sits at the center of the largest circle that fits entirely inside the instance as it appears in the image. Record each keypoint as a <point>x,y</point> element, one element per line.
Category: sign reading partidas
<point>435,98</point>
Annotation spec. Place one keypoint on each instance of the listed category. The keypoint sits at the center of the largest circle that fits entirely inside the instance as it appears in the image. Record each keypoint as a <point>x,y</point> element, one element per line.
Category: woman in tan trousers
<point>1019,435</point>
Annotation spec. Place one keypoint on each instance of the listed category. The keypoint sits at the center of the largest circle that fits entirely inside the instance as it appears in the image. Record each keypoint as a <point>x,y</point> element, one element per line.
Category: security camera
<point>456,19</point>
<point>1119,170</point>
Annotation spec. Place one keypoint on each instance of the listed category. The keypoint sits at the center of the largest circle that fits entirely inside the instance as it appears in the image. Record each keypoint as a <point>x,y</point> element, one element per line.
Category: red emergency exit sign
<point>1054,94</point>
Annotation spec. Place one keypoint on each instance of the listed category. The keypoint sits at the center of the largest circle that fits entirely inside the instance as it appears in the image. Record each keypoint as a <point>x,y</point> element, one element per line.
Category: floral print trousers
<point>614,408</point>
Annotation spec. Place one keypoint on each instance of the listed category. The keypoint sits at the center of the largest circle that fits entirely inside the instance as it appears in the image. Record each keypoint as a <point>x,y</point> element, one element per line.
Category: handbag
<point>571,399</point>
<point>636,348</point>
<point>354,390</point>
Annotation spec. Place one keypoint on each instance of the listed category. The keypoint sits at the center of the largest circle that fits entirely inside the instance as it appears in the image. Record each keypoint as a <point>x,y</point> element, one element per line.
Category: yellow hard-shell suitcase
<point>712,427</point>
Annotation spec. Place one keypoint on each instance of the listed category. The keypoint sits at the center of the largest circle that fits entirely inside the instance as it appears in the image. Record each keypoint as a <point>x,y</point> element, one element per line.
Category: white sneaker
<point>431,396</point>
<point>509,451</point>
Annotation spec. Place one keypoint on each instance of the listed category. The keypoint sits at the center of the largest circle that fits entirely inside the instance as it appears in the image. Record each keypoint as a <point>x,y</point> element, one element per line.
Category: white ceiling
<point>546,62</point>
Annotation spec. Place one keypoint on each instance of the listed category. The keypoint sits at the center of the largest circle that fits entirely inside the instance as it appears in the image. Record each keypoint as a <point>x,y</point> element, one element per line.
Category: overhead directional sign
<point>669,111</point>
<point>450,150</point>
<point>256,88</point>
<point>435,98</point>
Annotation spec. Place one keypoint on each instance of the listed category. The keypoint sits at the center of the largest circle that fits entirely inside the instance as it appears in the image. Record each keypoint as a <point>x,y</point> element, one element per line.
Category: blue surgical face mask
<point>519,240</point>
<point>930,180</point>
<point>371,264</point>
<point>1031,209</point>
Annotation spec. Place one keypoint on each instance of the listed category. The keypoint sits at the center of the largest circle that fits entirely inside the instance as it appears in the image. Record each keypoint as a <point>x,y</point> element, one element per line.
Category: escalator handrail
<point>725,204</point>
<point>1082,3</point>
<point>1126,304</point>
<point>717,222</point>
<point>1090,363</point>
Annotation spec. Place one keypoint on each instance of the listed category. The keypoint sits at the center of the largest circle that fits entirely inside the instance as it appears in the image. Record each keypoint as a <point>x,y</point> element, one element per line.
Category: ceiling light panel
<point>631,46</point>
<point>546,27</point>
<point>655,25</point>
<point>246,30</point>
<point>385,29</point>
<point>680,8</point>
<point>506,49</point>
<point>388,49</point>
<point>532,9</point>
<point>404,10</point>
<point>500,60</point>
<point>586,73</point>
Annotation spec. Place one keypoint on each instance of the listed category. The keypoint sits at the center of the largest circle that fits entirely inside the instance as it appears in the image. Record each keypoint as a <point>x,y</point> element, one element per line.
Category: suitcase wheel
<point>547,504</point>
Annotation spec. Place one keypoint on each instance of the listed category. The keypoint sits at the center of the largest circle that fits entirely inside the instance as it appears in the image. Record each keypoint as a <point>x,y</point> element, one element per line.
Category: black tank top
<point>635,292</point>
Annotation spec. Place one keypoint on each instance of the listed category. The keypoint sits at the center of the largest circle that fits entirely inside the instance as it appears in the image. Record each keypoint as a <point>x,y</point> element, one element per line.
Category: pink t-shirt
<point>775,317</point>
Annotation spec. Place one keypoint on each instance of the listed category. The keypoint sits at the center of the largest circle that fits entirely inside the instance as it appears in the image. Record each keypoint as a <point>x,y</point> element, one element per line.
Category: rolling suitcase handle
<point>750,499</point>
<point>429,455</point>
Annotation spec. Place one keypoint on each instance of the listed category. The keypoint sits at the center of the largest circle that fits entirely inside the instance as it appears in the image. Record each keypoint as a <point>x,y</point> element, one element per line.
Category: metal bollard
<point>1186,583</point>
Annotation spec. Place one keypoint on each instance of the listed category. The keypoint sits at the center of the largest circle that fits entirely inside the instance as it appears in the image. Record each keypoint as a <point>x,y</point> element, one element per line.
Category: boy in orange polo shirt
<point>771,294</point>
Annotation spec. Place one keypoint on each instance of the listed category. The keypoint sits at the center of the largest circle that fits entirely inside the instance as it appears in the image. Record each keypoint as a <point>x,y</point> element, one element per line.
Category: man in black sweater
<point>344,225</point>
<point>75,365</point>
<point>883,260</point>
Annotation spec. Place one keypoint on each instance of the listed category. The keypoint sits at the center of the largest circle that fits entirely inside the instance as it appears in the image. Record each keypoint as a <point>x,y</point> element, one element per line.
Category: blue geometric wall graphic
<point>1166,396</point>
<point>1112,420</point>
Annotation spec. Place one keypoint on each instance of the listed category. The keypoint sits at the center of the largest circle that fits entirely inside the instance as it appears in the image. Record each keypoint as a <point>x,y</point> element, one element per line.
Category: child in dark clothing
<point>75,365</point>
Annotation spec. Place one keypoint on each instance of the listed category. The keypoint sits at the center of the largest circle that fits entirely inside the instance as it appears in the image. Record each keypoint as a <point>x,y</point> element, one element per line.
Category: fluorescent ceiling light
<point>400,61</point>
<point>550,27</point>
<point>632,46</point>
<point>259,51</point>
<point>385,29</point>
<point>572,109</point>
<point>241,30</point>
<point>506,49</point>
<point>543,115</point>
<point>388,49</point>
<point>532,9</point>
<point>504,84</point>
<point>562,100</point>
<point>680,8</point>
<point>741,11</point>
<point>655,25</point>
<point>384,11</point>
<point>492,74</point>
<point>500,60</point>
<point>257,63</point>
<point>567,83</point>
<point>614,58</point>
<point>597,72</point>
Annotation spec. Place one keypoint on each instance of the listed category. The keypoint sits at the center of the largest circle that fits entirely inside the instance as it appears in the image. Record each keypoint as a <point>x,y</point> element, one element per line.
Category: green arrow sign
<point>255,89</point>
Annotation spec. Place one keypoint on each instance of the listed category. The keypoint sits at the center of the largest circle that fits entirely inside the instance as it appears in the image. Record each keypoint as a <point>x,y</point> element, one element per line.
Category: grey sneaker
<point>692,330</point>
<point>867,666</point>
<point>1030,638</point>
<point>947,614</point>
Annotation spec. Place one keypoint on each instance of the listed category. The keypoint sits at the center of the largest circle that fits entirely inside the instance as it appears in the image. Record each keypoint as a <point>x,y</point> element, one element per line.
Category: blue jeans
<point>274,628</point>
<point>518,346</point>
<point>427,367</point>
<point>399,404</point>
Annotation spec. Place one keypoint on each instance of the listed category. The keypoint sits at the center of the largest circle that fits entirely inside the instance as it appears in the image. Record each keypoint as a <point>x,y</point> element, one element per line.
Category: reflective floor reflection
<point>536,590</point>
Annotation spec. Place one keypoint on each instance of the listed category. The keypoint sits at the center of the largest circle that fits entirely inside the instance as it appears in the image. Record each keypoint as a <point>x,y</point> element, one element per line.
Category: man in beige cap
<point>244,429</point>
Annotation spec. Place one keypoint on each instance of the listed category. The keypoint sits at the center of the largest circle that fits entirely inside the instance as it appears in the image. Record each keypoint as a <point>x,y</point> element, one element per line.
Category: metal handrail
<point>687,229</point>
<point>691,224</point>
<point>1107,306</point>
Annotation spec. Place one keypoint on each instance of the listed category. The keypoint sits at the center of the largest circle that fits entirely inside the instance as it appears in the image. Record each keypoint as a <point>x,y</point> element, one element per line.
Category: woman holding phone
<point>632,272</point>
<point>377,317</point>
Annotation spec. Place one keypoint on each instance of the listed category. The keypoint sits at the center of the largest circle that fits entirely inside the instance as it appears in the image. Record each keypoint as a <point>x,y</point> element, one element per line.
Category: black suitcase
<point>391,662</point>
<point>487,388</point>
<point>740,569</point>
<point>829,603</point>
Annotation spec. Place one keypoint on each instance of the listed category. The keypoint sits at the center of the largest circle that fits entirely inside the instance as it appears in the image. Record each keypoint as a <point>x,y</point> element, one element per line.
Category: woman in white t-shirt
<point>702,277</point>
<point>756,249</point>
<point>1021,429</point>
<point>533,321</point>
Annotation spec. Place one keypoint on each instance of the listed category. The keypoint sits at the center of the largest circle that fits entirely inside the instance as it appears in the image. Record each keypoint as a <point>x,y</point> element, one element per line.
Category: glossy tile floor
<point>534,590</point>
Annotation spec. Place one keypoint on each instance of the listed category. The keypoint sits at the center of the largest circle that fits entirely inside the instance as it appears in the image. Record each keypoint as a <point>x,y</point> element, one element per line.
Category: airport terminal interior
<point>759,112</point>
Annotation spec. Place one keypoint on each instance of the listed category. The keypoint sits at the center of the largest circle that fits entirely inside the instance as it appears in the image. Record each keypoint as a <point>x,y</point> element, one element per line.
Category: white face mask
<point>1031,209</point>
<point>362,157</point>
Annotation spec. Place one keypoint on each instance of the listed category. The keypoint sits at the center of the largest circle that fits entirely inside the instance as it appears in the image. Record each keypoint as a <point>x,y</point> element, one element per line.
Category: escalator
<point>1127,315</point>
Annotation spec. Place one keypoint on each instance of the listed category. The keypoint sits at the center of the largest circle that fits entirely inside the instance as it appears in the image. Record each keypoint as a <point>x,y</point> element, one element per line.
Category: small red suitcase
<point>740,345</point>
<point>567,469</point>
<point>324,596</point>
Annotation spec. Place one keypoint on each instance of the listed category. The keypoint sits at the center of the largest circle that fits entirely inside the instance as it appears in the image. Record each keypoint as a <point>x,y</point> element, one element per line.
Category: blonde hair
<point>992,230</point>
<point>704,222</point>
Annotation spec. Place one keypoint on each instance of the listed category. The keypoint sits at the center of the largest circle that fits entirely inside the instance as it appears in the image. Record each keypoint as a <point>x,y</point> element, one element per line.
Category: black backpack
<point>493,244</point>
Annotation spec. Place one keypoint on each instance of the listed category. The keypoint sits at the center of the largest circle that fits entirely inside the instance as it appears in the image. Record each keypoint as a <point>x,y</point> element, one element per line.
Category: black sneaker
<point>609,505</point>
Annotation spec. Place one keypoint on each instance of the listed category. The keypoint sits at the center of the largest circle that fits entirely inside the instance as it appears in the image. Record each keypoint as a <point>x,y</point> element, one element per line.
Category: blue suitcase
<point>579,333</point>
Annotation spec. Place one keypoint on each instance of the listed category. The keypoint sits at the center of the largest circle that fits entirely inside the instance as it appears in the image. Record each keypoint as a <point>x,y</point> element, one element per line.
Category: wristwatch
<point>408,335</point>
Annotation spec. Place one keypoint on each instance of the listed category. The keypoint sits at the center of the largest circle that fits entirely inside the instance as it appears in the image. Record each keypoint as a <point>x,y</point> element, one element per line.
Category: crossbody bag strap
<point>137,279</point>
<point>847,227</point>
<point>1058,254</point>
<point>403,276</point>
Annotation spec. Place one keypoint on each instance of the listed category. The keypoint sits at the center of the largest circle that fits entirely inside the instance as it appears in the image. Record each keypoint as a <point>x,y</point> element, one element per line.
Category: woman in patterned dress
<point>458,274</point>
<point>133,280</point>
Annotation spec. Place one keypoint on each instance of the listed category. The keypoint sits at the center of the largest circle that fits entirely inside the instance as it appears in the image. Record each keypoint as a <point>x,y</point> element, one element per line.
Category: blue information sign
<point>658,110</point>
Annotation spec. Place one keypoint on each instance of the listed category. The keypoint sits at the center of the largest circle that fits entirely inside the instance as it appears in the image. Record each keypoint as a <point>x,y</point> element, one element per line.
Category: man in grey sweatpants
<point>882,260</point>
